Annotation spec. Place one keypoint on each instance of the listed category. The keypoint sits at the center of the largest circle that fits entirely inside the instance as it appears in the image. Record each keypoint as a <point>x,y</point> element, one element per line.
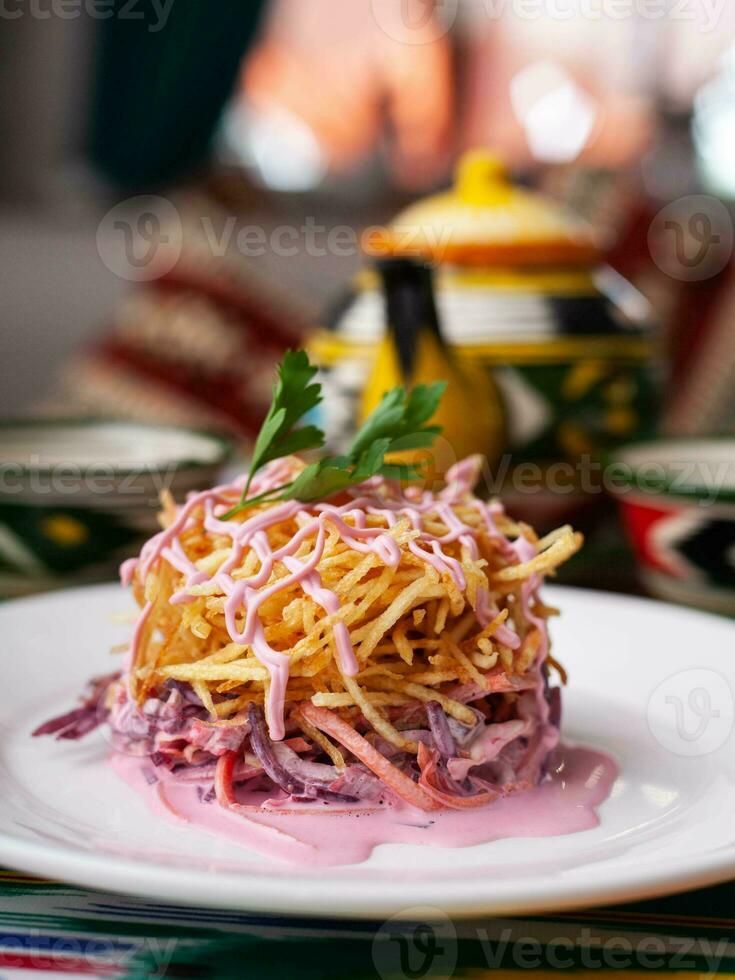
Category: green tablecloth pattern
<point>58,930</point>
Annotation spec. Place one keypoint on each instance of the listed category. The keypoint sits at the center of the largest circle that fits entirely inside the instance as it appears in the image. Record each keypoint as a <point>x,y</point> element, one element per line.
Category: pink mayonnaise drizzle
<point>377,497</point>
<point>323,834</point>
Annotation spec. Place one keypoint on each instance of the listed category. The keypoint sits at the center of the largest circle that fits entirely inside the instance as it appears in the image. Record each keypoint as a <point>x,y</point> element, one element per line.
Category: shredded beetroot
<point>216,739</point>
<point>263,749</point>
<point>81,721</point>
<point>430,782</point>
<point>457,766</point>
<point>401,784</point>
<point>443,738</point>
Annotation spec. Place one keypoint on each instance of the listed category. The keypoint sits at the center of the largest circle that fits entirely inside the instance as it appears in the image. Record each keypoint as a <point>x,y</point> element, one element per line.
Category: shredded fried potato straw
<point>414,632</point>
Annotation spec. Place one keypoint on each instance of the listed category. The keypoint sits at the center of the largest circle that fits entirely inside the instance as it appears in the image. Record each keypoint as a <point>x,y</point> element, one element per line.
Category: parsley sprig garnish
<point>399,423</point>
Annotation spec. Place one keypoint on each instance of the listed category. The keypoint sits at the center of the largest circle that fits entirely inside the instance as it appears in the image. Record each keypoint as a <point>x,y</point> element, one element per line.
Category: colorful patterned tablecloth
<point>48,929</point>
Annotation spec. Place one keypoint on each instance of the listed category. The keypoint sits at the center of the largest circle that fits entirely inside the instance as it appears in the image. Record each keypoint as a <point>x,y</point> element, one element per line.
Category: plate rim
<point>169,885</point>
<point>367,898</point>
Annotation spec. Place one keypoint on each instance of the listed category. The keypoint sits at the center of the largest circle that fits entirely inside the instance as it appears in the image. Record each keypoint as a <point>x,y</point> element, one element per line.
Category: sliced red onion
<point>185,690</point>
<point>206,773</point>
<point>554,699</point>
<point>442,780</point>
<point>359,783</point>
<point>491,740</point>
<point>463,734</point>
<point>263,748</point>
<point>302,769</point>
<point>80,721</point>
<point>216,739</point>
<point>443,739</point>
<point>65,722</point>
<point>87,723</point>
<point>316,778</point>
<point>301,778</point>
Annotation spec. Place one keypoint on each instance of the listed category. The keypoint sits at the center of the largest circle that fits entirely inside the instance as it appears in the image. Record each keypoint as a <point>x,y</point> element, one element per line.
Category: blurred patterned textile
<point>703,384</point>
<point>194,345</point>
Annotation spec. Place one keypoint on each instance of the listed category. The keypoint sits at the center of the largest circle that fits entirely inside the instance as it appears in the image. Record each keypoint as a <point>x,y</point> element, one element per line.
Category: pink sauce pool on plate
<point>324,833</point>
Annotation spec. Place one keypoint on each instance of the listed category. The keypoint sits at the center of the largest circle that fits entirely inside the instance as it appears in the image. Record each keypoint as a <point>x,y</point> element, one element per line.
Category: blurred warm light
<point>351,82</point>
<point>278,146</point>
<point>549,89</point>
<point>557,115</point>
<point>714,129</point>
<point>358,76</point>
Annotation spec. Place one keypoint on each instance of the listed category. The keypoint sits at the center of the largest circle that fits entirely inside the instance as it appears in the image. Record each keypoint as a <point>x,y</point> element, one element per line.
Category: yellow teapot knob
<point>482,179</point>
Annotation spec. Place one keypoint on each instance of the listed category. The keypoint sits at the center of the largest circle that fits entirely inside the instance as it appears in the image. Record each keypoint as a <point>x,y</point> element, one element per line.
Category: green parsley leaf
<point>320,480</point>
<point>402,419</point>
<point>293,397</point>
<point>398,423</point>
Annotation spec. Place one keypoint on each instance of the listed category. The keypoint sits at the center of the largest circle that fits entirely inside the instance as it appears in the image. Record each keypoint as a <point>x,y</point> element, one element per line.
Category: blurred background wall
<point>54,287</point>
<point>341,114</point>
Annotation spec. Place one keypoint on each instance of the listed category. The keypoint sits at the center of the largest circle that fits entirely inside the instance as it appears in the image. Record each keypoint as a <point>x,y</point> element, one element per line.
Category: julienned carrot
<point>223,779</point>
<point>401,784</point>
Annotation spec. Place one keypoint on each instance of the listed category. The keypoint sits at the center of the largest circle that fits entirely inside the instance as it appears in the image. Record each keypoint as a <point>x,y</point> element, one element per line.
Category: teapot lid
<point>486,220</point>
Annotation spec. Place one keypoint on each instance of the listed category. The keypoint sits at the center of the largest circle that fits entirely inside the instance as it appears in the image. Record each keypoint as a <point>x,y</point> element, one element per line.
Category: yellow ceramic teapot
<point>522,295</point>
<point>413,351</point>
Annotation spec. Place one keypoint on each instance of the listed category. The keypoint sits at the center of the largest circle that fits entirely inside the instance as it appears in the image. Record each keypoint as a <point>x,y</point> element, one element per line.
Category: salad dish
<point>334,639</point>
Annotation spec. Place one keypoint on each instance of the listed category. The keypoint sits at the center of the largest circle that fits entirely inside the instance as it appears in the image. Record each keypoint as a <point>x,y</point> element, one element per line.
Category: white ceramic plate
<point>651,684</point>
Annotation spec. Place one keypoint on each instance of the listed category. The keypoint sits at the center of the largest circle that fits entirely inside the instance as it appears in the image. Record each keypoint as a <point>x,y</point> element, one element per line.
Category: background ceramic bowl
<point>78,497</point>
<point>677,499</point>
